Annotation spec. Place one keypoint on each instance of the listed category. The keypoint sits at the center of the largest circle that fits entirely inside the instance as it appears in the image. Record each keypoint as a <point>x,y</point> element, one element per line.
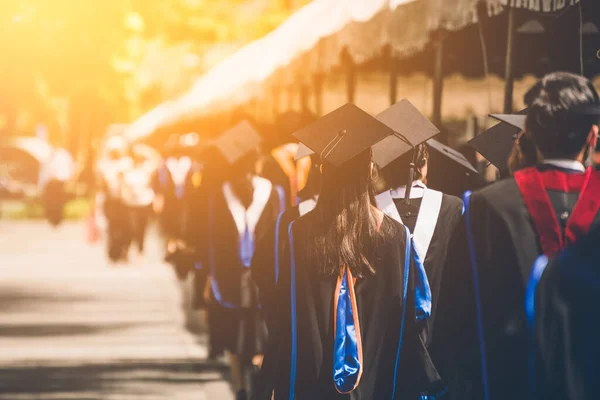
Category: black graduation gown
<point>272,171</point>
<point>379,300</point>
<point>233,327</point>
<point>506,246</point>
<point>176,208</point>
<point>449,216</point>
<point>567,326</point>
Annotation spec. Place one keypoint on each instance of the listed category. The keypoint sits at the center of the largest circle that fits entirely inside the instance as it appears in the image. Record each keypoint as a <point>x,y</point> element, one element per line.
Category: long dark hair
<point>343,225</point>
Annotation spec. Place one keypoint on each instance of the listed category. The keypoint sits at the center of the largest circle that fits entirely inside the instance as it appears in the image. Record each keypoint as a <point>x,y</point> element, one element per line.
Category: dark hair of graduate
<point>343,226</point>
<point>396,173</point>
<point>555,130</point>
<point>240,177</point>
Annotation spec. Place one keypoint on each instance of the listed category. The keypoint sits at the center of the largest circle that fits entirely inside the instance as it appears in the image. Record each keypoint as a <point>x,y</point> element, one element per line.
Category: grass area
<point>32,209</point>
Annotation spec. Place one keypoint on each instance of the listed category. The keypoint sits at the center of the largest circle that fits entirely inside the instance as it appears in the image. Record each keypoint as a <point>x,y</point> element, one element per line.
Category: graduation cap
<point>237,141</point>
<point>408,123</point>
<point>302,152</point>
<point>497,143</point>
<point>343,134</point>
<point>449,170</point>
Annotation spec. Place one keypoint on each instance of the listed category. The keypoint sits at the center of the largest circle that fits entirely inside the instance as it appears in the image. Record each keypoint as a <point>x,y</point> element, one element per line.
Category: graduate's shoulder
<point>502,195</point>
<point>452,203</point>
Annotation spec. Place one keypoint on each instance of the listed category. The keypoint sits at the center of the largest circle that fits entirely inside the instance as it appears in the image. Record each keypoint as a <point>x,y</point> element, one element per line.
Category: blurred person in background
<point>111,167</point>
<point>138,196</point>
<point>54,177</point>
<point>280,165</point>
<point>175,183</point>
<point>239,213</point>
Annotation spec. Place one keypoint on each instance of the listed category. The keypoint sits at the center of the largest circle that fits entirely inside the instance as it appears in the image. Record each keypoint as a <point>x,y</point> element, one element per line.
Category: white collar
<point>417,191</point>
<point>565,163</point>
<point>248,217</point>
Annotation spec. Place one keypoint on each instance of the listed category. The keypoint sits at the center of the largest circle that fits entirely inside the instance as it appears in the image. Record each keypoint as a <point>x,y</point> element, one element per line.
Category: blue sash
<point>473,258</point>
<point>347,346</point>
<point>276,264</point>
<point>294,344</point>
<point>281,194</point>
<point>422,289</point>
<point>536,274</point>
<point>246,248</point>
<point>180,190</point>
<point>163,177</point>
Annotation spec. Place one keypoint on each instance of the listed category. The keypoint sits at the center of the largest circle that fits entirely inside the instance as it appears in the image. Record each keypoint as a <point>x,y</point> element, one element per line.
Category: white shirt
<point>137,186</point>
<point>565,163</point>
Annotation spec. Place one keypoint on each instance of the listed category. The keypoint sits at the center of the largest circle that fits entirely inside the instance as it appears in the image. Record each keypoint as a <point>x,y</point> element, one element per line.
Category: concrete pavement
<point>72,326</point>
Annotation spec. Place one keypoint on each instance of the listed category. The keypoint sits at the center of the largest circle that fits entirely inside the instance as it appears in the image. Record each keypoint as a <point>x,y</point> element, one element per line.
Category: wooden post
<point>275,104</point>
<point>304,91</point>
<point>318,91</point>
<point>290,97</point>
<point>438,81</point>
<point>393,80</point>
<point>508,72</point>
<point>350,76</point>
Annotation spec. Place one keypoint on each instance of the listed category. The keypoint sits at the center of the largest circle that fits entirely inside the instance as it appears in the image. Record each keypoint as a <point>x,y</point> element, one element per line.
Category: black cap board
<point>408,126</point>
<point>302,152</point>
<point>455,156</point>
<point>516,120</point>
<point>343,134</point>
<point>237,141</point>
<point>497,143</point>
<point>408,123</point>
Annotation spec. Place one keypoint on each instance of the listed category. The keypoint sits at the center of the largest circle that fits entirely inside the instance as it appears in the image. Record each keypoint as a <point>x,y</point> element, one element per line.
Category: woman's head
<point>343,225</point>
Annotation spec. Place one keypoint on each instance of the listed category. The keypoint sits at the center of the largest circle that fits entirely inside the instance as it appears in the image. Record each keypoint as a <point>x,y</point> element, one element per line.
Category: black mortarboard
<point>408,123</point>
<point>412,127</point>
<point>497,143</point>
<point>449,170</point>
<point>516,120</point>
<point>453,155</point>
<point>237,141</point>
<point>343,134</point>
<point>302,152</point>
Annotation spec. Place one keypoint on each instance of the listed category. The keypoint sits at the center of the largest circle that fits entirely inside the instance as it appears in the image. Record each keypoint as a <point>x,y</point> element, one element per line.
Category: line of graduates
<point>376,286</point>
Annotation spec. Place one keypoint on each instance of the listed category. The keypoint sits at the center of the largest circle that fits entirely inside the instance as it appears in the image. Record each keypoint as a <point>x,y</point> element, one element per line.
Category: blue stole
<point>276,264</point>
<point>246,247</point>
<point>163,177</point>
<point>479,315</point>
<point>347,346</point>
<point>281,194</point>
<point>536,274</point>
<point>347,363</point>
<point>180,190</point>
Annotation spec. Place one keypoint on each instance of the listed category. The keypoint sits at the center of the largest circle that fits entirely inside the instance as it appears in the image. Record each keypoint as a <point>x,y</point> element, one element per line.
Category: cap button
<point>342,132</point>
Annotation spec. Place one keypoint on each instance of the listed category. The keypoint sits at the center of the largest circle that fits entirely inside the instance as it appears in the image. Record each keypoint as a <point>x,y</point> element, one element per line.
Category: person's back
<point>540,210</point>
<point>562,312</point>
<point>348,272</point>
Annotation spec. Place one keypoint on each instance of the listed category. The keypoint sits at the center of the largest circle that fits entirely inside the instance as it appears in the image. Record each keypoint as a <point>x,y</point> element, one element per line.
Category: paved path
<point>74,327</point>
